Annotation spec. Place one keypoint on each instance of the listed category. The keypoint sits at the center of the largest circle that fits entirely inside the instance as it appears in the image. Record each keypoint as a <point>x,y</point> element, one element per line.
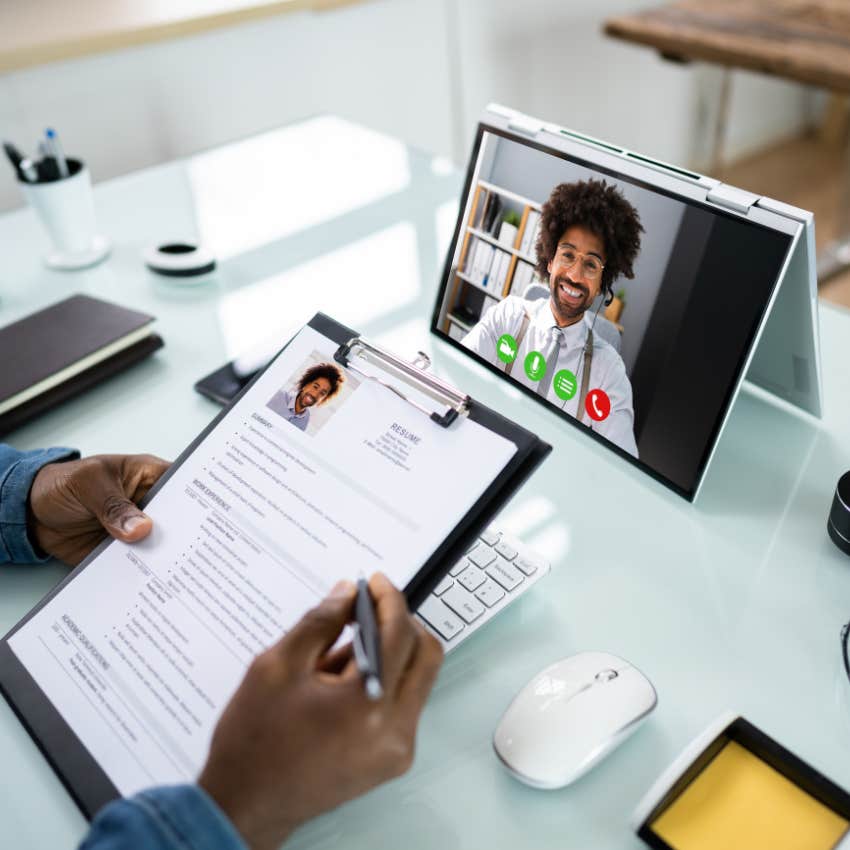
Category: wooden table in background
<point>807,41</point>
<point>803,40</point>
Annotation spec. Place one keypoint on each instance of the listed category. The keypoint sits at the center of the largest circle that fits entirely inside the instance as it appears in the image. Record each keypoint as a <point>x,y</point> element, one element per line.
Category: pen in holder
<point>66,208</point>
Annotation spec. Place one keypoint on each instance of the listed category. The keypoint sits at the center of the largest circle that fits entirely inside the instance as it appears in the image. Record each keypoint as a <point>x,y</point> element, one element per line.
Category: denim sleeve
<point>176,817</point>
<point>17,471</point>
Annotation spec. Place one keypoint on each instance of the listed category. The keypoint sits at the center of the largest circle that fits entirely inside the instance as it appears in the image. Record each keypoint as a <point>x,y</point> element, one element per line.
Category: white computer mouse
<point>571,715</point>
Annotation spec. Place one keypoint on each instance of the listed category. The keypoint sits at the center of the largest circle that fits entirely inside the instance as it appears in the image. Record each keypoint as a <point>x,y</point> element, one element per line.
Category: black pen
<point>367,642</point>
<point>28,171</point>
<point>14,155</point>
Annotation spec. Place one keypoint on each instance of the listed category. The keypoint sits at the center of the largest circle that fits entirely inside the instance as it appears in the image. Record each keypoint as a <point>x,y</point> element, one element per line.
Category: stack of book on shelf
<point>529,234</point>
<point>486,265</point>
<point>464,318</point>
<point>523,275</point>
<point>487,211</point>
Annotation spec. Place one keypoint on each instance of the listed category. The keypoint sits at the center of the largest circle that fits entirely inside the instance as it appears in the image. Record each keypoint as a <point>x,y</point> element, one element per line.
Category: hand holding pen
<point>298,737</point>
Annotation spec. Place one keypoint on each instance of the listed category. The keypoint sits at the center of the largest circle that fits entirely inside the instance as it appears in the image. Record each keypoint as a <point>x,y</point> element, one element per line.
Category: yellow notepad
<point>739,802</point>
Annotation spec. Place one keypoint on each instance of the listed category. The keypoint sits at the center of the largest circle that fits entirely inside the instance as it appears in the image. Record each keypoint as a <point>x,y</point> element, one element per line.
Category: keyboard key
<point>505,574</point>
<point>440,618</point>
<point>526,565</point>
<point>482,556</point>
<point>459,567</point>
<point>490,593</point>
<point>443,586</point>
<point>466,603</point>
<point>471,578</point>
<point>491,538</point>
<point>463,603</point>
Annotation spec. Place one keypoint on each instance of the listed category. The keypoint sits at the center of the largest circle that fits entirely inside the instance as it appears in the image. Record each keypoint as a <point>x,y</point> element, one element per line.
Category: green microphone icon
<point>535,365</point>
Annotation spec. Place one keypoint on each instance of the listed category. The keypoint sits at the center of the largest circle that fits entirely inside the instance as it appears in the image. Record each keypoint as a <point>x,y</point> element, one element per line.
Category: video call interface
<point>624,308</point>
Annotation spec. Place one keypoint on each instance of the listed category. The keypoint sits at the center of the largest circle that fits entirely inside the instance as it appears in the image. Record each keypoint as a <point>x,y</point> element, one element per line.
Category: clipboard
<point>80,773</point>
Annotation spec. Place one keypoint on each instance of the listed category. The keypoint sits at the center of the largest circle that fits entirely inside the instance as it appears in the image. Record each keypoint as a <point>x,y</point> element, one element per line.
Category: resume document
<point>142,650</point>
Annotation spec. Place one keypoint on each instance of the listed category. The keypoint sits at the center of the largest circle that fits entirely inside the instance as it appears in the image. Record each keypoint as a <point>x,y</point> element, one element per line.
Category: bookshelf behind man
<point>497,255</point>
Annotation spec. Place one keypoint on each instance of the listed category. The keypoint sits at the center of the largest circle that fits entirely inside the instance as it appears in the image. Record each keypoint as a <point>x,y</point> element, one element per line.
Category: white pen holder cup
<point>65,207</point>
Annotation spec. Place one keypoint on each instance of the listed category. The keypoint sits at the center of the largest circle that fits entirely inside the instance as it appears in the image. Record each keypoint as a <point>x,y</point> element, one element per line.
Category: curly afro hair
<point>323,370</point>
<point>603,210</point>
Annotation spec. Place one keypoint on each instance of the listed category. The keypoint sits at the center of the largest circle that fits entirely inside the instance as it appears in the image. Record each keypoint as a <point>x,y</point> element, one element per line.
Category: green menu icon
<point>564,384</point>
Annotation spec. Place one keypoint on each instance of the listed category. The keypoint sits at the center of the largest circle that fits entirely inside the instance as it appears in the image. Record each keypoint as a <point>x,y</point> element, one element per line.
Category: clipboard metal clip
<point>428,384</point>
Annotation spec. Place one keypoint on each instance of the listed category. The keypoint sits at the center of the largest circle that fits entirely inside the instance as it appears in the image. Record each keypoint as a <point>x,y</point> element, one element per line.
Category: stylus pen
<point>367,644</point>
<point>55,147</point>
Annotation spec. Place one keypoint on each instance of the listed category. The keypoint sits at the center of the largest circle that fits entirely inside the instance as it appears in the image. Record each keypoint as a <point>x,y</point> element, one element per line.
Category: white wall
<point>421,69</point>
<point>381,63</point>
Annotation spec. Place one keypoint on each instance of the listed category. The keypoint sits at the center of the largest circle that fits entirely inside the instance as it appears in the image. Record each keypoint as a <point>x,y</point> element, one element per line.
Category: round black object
<point>180,259</point>
<point>838,524</point>
<point>178,248</point>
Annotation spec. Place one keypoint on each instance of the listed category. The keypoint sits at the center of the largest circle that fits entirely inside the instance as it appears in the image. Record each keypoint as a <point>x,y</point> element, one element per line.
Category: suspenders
<point>585,375</point>
<point>588,359</point>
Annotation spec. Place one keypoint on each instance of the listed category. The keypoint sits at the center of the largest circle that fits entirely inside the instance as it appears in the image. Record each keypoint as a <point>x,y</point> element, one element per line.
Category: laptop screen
<point>627,309</point>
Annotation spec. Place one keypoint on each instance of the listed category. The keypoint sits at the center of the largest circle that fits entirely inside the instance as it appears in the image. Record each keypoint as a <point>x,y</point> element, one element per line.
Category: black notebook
<point>63,350</point>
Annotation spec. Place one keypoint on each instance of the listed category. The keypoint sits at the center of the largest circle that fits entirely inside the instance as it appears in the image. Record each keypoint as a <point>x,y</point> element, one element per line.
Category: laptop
<point>713,286</point>
<point>631,297</point>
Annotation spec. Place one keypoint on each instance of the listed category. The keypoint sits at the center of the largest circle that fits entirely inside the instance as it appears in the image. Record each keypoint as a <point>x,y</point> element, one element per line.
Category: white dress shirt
<point>607,370</point>
<point>283,403</point>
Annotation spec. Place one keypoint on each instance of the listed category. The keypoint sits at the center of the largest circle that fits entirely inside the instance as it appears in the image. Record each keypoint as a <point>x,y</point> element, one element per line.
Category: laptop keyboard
<point>497,570</point>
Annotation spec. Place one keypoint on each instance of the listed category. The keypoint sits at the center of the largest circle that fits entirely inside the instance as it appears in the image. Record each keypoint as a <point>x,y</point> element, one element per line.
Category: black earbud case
<point>838,524</point>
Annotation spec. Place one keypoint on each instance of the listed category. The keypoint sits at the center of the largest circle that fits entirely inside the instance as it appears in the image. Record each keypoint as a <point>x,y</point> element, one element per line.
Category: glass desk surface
<point>735,602</point>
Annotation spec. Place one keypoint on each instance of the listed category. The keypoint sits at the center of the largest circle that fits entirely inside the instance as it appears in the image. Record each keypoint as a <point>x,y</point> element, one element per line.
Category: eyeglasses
<point>845,649</point>
<point>591,266</point>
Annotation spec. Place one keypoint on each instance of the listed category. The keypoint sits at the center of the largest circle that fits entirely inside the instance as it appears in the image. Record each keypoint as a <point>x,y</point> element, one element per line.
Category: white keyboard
<point>497,570</point>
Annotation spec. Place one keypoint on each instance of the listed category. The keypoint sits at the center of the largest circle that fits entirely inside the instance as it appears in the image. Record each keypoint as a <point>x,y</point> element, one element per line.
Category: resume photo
<point>313,394</point>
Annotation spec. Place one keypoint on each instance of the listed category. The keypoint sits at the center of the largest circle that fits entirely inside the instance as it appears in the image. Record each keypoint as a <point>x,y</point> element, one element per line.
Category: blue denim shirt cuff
<point>15,483</point>
<point>175,817</point>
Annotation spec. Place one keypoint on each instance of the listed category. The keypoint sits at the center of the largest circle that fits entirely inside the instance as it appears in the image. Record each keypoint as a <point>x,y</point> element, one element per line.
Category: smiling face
<point>313,393</point>
<point>575,273</point>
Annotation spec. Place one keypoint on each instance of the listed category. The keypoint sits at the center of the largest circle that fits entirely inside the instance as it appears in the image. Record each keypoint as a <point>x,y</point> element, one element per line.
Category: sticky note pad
<point>739,802</point>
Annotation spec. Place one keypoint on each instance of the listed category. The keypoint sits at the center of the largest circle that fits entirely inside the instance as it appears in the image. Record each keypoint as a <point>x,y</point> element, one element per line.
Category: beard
<point>566,308</point>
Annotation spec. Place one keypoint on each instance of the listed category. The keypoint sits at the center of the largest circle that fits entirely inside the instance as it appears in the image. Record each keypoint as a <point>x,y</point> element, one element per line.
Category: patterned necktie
<point>556,340</point>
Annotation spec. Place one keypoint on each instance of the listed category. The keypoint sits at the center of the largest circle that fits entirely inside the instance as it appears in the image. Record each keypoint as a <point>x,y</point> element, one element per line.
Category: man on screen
<point>316,386</point>
<point>589,236</point>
